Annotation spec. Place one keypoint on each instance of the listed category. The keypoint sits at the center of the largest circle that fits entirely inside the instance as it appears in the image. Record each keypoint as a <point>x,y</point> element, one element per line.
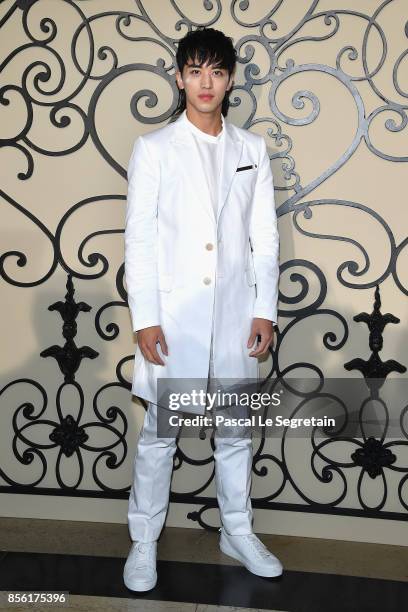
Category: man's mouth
<point>205,96</point>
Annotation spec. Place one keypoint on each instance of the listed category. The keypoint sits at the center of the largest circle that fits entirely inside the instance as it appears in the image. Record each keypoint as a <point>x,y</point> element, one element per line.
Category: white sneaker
<point>251,552</point>
<point>139,573</point>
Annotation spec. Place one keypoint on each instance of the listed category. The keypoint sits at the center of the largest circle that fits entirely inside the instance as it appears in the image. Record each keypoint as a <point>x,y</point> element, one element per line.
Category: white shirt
<point>211,150</point>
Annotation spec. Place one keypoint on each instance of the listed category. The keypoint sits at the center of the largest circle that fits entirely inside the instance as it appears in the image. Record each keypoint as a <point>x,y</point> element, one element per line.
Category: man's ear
<point>179,80</point>
<point>231,81</point>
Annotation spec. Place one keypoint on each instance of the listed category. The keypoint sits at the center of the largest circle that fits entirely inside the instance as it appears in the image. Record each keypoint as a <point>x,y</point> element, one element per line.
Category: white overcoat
<point>181,262</point>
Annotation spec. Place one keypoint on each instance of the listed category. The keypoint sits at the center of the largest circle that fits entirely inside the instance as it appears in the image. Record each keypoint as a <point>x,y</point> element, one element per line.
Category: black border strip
<point>203,583</point>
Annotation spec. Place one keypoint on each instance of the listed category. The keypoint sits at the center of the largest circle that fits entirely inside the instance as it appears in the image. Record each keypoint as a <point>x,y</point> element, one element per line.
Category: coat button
<point>207,280</point>
<point>209,246</point>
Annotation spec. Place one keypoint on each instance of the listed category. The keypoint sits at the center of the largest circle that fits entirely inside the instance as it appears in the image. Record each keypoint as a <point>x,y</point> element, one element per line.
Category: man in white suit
<point>202,271</point>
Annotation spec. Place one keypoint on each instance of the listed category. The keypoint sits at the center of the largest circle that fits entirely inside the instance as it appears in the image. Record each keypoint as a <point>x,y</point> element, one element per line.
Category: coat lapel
<point>232,155</point>
<point>191,165</point>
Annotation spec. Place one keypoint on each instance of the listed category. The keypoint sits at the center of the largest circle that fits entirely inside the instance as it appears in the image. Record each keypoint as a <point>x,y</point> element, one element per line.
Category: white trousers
<point>152,472</point>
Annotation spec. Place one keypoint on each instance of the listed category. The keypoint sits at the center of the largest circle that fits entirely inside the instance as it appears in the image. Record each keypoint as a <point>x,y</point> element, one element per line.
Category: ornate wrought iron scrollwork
<point>68,434</point>
<point>374,368</point>
<point>100,64</point>
<point>373,455</point>
<point>69,356</point>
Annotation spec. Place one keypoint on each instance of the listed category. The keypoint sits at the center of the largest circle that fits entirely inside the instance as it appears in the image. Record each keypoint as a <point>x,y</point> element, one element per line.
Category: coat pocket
<point>165,282</point>
<point>246,167</point>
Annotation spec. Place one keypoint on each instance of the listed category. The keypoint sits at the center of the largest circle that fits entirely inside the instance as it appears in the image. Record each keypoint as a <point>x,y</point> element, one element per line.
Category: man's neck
<point>210,123</point>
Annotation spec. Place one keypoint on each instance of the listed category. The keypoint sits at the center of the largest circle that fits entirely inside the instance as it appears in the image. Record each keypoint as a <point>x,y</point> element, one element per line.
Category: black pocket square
<point>246,168</point>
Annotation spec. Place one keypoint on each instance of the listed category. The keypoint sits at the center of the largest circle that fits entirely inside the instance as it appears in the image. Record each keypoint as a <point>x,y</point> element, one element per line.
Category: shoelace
<point>145,549</point>
<point>259,547</point>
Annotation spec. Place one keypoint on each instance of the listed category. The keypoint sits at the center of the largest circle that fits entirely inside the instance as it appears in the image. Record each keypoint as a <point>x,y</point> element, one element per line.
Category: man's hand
<point>264,328</point>
<point>147,339</point>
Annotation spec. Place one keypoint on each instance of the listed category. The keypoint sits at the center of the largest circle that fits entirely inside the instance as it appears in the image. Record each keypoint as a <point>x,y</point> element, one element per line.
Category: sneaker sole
<point>140,585</point>
<point>230,552</point>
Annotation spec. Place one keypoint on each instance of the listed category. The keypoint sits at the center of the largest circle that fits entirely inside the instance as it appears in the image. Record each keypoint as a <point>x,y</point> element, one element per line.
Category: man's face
<point>205,85</point>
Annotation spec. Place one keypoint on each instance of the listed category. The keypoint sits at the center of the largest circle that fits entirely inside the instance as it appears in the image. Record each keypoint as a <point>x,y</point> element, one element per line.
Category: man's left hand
<point>263,328</point>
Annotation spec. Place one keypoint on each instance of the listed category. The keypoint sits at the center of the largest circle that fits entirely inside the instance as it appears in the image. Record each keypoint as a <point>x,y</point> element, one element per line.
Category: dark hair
<point>205,45</point>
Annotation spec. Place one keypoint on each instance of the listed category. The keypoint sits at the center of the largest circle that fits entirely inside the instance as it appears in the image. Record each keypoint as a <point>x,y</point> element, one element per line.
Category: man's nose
<point>206,81</point>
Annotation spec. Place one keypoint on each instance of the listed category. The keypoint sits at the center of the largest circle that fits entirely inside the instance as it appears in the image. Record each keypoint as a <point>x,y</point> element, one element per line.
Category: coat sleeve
<point>141,237</point>
<point>264,239</point>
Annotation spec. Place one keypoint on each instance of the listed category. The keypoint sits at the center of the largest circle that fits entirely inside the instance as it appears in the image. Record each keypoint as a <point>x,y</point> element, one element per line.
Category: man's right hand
<point>147,339</point>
